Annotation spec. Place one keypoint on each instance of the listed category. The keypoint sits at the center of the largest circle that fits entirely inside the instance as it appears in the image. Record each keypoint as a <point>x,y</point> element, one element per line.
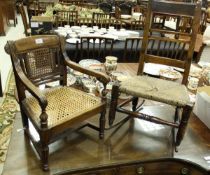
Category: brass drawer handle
<point>140,170</point>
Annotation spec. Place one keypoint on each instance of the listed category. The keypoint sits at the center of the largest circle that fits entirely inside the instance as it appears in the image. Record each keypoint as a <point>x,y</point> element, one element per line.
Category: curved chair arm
<point>36,93</point>
<point>23,78</point>
<point>100,76</point>
<point>32,89</point>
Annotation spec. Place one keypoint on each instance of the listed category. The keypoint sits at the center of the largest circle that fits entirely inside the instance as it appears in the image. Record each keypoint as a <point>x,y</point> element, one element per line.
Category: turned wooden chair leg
<point>24,119</point>
<point>44,156</point>
<point>134,103</point>
<point>183,124</point>
<point>113,104</point>
<point>102,124</point>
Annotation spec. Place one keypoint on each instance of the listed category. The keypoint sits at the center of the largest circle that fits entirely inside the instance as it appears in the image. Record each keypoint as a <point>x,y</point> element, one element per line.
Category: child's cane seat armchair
<point>39,60</point>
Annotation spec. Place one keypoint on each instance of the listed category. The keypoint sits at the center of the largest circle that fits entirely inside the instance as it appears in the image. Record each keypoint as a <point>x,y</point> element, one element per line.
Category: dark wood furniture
<point>101,20</point>
<point>66,18</point>
<point>39,60</point>
<point>3,19</point>
<point>11,11</point>
<point>27,29</point>
<point>151,167</point>
<point>131,48</point>
<point>178,54</point>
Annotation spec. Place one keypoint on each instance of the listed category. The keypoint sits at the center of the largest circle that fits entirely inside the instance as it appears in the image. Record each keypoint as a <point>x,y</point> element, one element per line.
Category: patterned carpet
<point>8,109</point>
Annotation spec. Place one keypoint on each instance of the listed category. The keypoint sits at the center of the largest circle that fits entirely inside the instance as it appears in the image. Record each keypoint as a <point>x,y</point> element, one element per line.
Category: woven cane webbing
<point>40,62</point>
<point>64,104</point>
<point>156,89</point>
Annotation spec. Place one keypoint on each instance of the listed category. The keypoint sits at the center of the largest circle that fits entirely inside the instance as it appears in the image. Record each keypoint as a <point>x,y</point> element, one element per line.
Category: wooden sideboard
<point>7,12</point>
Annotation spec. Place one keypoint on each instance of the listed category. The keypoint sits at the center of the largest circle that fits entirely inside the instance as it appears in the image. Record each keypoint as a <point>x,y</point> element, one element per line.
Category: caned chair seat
<point>160,90</point>
<point>64,104</point>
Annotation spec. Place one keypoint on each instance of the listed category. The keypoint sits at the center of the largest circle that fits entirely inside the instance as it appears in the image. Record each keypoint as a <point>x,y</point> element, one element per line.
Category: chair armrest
<point>100,76</point>
<point>32,88</point>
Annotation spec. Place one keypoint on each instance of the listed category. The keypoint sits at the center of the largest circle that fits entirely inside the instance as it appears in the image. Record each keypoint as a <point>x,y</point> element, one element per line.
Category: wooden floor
<point>134,140</point>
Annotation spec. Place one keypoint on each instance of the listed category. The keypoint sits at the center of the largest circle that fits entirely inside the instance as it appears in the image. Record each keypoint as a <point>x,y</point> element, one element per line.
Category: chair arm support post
<point>113,103</point>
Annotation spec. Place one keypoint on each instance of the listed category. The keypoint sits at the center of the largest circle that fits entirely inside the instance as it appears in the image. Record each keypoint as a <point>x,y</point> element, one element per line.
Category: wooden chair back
<point>131,50</point>
<point>39,57</point>
<point>167,50</point>
<point>24,19</point>
<point>101,20</point>
<point>138,24</point>
<point>92,47</point>
<point>84,21</point>
<point>66,17</point>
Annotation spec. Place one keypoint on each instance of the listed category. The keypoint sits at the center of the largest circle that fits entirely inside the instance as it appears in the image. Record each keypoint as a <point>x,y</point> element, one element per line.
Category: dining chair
<point>64,17</point>
<point>96,47</point>
<point>27,29</point>
<point>41,59</point>
<point>138,24</point>
<point>164,50</point>
<point>101,20</point>
<point>131,49</point>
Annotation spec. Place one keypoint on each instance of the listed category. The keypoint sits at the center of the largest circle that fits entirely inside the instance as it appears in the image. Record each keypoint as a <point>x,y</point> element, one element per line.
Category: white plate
<point>204,64</point>
<point>125,16</point>
<point>70,79</point>
<point>154,69</point>
<point>75,27</point>
<point>120,76</point>
<point>178,69</point>
<point>87,62</point>
<point>97,41</point>
<point>97,66</point>
<point>73,40</point>
<point>170,74</point>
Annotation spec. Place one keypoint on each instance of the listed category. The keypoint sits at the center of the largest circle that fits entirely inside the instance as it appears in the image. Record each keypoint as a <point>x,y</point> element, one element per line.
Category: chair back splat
<point>170,50</point>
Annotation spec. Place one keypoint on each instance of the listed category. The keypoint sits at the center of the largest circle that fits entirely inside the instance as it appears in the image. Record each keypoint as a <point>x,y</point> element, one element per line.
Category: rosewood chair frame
<point>42,59</point>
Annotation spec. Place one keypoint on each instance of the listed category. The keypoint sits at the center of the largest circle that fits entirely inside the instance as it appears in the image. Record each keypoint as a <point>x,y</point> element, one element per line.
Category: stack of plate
<point>125,16</point>
<point>136,15</point>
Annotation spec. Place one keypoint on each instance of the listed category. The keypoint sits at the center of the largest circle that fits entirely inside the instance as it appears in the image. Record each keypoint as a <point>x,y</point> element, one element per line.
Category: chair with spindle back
<point>168,51</point>
<point>138,24</point>
<point>66,17</point>
<point>93,47</point>
<point>101,20</point>
<point>131,51</point>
